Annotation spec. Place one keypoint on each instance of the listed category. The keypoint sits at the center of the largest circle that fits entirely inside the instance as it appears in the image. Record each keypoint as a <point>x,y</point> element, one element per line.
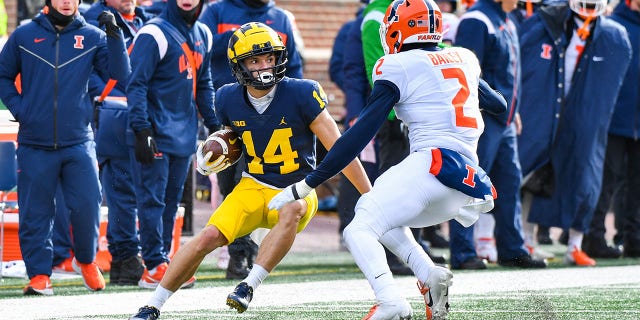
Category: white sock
<point>401,242</point>
<point>483,228</point>
<point>256,276</point>
<point>159,297</point>
<point>420,263</point>
<point>527,227</point>
<point>575,240</point>
<point>369,255</point>
<point>385,288</point>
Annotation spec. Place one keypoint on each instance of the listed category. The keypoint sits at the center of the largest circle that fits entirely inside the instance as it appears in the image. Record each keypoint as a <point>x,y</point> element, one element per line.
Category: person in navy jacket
<point>54,55</point>
<point>347,62</point>
<point>170,84</point>
<point>129,17</point>
<point>486,30</point>
<point>224,17</point>
<point>573,64</point>
<point>622,156</point>
<point>115,167</point>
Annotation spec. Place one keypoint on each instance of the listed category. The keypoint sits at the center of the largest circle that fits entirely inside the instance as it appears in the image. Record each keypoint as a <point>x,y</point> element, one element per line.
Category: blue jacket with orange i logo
<point>568,130</point>
<point>164,82</point>
<point>54,109</point>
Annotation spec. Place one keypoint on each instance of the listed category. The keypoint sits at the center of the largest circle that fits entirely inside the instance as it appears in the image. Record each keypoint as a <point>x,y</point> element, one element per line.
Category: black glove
<point>146,148</point>
<point>108,20</point>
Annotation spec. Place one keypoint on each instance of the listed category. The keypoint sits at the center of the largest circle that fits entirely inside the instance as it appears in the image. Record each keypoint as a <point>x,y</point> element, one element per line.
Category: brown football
<point>223,142</point>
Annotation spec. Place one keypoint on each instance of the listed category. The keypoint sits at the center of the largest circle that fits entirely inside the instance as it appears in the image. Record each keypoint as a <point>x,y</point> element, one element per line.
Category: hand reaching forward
<point>291,193</point>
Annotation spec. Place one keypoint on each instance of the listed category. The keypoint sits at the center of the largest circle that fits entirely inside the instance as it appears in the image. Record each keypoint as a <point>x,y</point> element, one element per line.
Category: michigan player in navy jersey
<point>278,119</point>
<point>436,92</point>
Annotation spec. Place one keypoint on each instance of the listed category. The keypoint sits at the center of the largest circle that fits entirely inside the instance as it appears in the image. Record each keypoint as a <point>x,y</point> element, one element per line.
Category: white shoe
<point>539,254</point>
<point>394,310</point>
<point>486,249</point>
<point>436,293</point>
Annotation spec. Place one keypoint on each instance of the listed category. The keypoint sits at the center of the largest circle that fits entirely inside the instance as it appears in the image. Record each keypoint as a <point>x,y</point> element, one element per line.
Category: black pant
<point>622,164</point>
<point>348,195</point>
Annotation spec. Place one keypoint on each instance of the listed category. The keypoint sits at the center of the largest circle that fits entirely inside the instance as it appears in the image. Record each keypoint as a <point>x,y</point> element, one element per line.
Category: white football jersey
<point>438,97</point>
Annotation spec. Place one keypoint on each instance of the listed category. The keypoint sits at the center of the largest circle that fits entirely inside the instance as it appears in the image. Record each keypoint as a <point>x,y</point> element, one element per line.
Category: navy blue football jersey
<point>278,145</point>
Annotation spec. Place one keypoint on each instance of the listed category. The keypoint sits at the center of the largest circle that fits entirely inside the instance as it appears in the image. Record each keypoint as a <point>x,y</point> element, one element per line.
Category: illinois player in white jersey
<point>436,92</point>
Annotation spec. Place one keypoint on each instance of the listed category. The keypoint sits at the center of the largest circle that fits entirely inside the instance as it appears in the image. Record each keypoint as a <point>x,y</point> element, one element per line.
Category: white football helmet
<point>587,8</point>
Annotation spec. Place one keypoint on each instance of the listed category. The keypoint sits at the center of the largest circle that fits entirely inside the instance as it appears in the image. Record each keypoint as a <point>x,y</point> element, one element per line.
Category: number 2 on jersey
<point>460,98</point>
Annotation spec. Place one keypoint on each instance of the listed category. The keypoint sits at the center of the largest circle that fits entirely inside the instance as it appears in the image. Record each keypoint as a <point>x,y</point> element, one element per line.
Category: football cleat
<point>436,293</point>
<point>524,262</point>
<point>189,283</point>
<point>151,278</point>
<point>127,272</point>
<point>39,285</point>
<point>240,297</point>
<point>394,310</point>
<point>91,275</point>
<point>539,254</point>
<point>65,266</point>
<point>146,313</point>
<point>577,257</point>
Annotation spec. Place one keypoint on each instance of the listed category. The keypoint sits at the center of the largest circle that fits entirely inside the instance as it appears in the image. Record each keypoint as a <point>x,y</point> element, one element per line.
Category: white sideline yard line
<point>480,282</point>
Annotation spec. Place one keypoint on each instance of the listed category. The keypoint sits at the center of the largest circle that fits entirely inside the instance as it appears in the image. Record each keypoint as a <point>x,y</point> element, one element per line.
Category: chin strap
<point>584,32</point>
<point>529,6</point>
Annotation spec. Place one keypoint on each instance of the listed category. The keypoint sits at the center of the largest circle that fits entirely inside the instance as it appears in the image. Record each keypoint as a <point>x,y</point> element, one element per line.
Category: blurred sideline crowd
<point>564,155</point>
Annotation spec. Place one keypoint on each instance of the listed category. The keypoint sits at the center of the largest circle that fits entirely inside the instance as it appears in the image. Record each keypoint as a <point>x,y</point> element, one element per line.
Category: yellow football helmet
<point>252,39</point>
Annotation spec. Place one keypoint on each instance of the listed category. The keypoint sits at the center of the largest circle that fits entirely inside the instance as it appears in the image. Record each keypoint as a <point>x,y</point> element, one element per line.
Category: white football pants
<point>406,195</point>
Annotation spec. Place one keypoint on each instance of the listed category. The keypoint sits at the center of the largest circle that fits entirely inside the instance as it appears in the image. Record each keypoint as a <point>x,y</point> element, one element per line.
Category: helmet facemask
<point>264,78</point>
<point>588,8</point>
<point>254,39</point>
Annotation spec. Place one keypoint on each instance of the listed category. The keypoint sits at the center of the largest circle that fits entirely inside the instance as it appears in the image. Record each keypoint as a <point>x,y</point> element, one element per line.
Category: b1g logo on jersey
<point>239,123</point>
<point>78,44</point>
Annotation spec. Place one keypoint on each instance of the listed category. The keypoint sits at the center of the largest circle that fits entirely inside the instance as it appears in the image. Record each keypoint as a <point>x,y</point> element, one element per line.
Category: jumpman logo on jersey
<point>283,122</point>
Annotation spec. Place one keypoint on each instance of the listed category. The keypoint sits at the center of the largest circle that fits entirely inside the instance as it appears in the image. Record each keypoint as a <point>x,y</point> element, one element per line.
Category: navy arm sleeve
<point>357,89</point>
<point>294,60</point>
<point>473,35</point>
<point>491,100</point>
<point>383,97</point>
<point>337,55</point>
<point>205,95</point>
<point>119,64</point>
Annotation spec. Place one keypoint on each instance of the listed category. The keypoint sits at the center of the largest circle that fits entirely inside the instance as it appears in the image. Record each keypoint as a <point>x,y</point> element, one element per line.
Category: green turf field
<point>616,301</point>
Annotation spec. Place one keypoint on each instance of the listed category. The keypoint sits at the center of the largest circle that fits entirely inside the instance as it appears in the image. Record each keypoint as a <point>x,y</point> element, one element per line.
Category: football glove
<point>291,193</point>
<point>145,147</point>
<point>108,20</point>
<point>204,164</point>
